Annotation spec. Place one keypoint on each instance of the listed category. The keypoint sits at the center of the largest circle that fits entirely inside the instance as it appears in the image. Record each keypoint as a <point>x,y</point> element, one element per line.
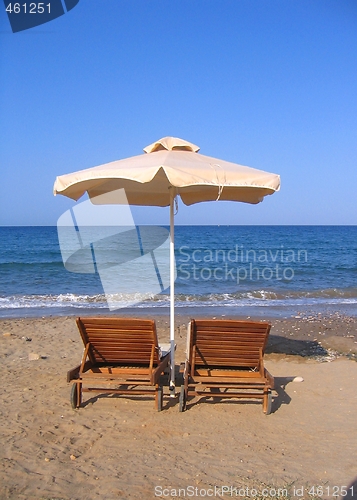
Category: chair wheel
<point>74,395</point>
<point>182,400</point>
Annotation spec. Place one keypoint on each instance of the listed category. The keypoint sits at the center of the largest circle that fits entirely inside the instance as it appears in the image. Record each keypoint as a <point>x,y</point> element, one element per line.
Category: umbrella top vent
<point>171,144</point>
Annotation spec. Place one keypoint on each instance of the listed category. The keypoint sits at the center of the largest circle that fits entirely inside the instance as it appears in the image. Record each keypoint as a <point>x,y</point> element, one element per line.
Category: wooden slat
<point>236,384</point>
<point>119,339</point>
<point>228,342</point>
<point>224,374</point>
<point>132,391</point>
<point>254,395</point>
<point>227,355</point>
<point>121,351</point>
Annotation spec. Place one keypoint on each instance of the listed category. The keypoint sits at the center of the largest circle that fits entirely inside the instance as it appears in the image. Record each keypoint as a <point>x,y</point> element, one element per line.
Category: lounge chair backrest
<point>120,340</point>
<point>227,343</point>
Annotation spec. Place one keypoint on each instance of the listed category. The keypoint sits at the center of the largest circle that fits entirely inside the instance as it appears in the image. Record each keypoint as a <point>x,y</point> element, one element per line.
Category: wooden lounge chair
<point>121,356</point>
<point>225,360</point>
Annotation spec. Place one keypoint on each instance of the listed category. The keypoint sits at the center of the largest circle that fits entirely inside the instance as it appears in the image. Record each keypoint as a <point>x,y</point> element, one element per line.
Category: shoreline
<point>303,334</point>
<point>268,310</point>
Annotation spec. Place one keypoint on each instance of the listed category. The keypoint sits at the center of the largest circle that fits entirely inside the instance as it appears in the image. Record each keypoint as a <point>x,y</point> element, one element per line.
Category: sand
<point>120,447</point>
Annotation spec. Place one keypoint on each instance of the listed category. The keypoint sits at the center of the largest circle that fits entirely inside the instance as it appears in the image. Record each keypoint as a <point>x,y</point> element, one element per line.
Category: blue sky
<point>267,83</point>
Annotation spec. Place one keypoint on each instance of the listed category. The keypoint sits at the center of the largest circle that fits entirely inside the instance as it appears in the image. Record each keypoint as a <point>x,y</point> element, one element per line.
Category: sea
<point>248,271</point>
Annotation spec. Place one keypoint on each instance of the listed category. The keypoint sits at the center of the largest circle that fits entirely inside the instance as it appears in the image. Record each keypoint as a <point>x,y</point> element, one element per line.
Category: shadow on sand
<point>304,348</point>
<point>276,345</point>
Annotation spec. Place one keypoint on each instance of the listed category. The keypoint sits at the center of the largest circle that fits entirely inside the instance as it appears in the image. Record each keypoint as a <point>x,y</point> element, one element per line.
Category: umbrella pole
<point>172,295</point>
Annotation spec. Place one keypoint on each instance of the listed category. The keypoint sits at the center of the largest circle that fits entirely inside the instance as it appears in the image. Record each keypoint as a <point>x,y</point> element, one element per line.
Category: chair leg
<point>159,395</point>
<point>267,401</point>
<point>160,398</point>
<point>183,399</point>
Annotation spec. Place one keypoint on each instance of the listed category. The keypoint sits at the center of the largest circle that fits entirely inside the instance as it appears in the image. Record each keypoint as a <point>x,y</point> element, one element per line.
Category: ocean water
<point>226,270</point>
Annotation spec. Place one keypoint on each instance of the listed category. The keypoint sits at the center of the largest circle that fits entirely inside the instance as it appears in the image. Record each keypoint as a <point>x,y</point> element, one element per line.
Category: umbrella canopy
<point>171,163</point>
<point>170,167</point>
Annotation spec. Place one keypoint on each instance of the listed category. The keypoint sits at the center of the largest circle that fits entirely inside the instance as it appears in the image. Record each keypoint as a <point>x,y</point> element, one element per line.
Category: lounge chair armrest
<point>270,378</point>
<point>155,375</point>
<point>73,374</point>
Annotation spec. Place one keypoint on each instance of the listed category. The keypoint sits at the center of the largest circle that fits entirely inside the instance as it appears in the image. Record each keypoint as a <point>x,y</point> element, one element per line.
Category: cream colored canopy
<point>171,163</point>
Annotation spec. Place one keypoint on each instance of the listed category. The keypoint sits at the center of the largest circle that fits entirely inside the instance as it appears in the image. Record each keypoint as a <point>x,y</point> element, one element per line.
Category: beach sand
<point>120,447</point>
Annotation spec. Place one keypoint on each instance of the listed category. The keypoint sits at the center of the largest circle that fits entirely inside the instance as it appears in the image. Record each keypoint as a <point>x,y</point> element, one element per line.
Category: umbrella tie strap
<point>215,167</point>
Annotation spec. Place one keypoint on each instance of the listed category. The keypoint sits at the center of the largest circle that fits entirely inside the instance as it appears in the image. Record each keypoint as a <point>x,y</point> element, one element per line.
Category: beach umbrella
<point>170,168</point>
